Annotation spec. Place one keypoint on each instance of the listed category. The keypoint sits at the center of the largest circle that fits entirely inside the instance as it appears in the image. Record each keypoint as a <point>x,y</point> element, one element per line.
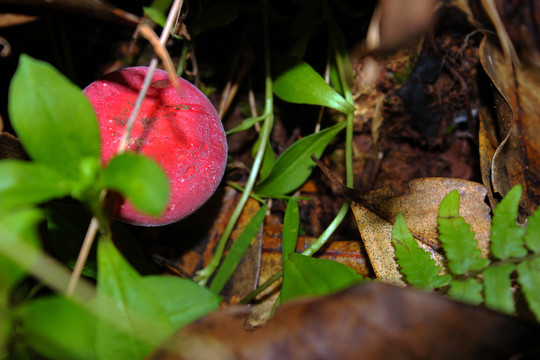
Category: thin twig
<point>83,255</point>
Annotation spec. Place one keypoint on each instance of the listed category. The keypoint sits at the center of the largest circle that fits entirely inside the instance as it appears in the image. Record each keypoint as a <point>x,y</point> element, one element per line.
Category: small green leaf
<point>183,300</point>
<point>157,11</point>
<point>57,328</point>
<point>469,291</point>
<point>237,250</point>
<point>307,276</point>
<point>300,84</point>
<point>53,119</point>
<point>155,15</point>
<point>139,179</point>
<point>294,166</point>
<point>416,264</point>
<point>506,234</point>
<point>26,183</point>
<point>498,288</point>
<point>141,321</point>
<point>246,124</point>
<point>459,244</point>
<point>532,237</point>
<point>291,224</point>
<point>529,279</point>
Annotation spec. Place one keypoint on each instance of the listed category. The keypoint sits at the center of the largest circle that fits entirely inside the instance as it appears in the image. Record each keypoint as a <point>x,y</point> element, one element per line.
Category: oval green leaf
<point>26,183</point>
<point>140,180</point>
<point>294,166</point>
<point>307,276</point>
<point>300,84</point>
<point>53,119</point>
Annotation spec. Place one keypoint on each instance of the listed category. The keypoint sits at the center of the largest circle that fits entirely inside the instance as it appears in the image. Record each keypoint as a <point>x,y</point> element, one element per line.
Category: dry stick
<point>94,223</point>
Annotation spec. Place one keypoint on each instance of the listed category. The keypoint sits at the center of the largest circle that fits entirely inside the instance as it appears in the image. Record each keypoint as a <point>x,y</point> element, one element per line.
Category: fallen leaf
<point>375,213</point>
<point>367,321</point>
<point>517,157</point>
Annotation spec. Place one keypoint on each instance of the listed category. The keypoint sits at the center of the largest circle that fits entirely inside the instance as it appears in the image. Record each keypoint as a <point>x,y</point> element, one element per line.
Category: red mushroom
<point>181,131</point>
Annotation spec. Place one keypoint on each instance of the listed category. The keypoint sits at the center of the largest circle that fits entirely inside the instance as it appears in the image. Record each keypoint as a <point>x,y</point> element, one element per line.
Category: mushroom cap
<point>181,131</point>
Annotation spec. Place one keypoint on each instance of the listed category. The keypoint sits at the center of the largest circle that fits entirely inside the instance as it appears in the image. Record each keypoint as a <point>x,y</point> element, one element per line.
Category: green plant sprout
<point>468,276</point>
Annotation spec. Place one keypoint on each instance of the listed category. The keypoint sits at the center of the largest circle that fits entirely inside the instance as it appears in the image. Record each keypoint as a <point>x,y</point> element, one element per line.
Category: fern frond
<point>469,291</point>
<point>416,264</point>
<point>498,288</point>
<point>529,279</point>
<point>506,234</point>
<point>458,241</point>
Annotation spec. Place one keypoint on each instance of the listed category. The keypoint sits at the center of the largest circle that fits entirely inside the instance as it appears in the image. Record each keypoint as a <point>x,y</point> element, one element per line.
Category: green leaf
<point>183,300</point>
<point>415,263</point>
<point>529,279</point>
<point>57,328</point>
<point>294,166</point>
<point>307,276</point>
<point>532,237</point>
<point>246,124</point>
<point>237,250</point>
<point>506,234</point>
<point>469,291</point>
<point>291,225</point>
<point>140,179</point>
<point>300,84</point>
<point>53,119</point>
<point>498,288</point>
<point>459,244</point>
<point>141,321</point>
<point>26,183</point>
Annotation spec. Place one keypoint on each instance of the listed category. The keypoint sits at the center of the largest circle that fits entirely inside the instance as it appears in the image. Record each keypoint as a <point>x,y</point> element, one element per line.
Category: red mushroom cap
<point>181,131</point>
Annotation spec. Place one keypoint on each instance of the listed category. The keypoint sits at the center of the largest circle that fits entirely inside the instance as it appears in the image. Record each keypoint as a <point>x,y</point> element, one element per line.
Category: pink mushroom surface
<point>181,131</point>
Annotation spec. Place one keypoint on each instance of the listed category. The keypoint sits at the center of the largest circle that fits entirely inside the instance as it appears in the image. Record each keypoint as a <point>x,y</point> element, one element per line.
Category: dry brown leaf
<point>517,158</point>
<point>368,321</point>
<point>376,211</point>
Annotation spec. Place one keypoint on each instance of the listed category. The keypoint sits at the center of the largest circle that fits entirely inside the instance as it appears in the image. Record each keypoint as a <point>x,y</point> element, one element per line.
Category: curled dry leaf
<point>517,156</point>
<point>368,321</point>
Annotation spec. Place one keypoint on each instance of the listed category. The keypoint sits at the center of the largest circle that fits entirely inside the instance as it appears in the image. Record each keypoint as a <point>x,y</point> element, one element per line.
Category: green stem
<point>313,248</point>
<point>252,295</point>
<point>204,274</point>
<point>323,238</point>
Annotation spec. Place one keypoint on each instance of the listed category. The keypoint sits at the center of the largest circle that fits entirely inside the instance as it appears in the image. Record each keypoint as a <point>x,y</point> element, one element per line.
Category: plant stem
<point>204,274</point>
<point>252,295</point>
<point>323,238</point>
